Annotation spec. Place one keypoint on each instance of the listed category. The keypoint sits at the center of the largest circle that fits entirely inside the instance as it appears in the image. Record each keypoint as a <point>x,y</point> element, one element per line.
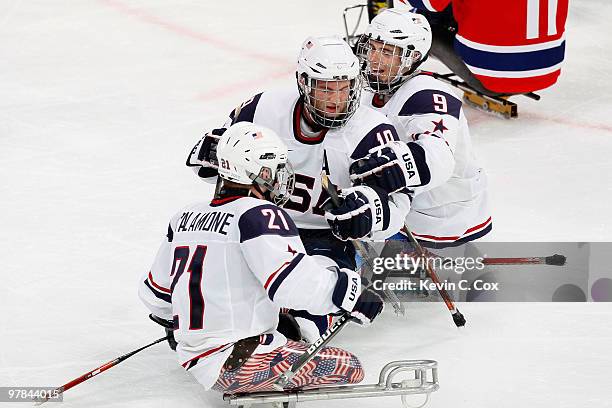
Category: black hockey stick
<point>60,390</point>
<point>431,273</point>
<point>312,351</point>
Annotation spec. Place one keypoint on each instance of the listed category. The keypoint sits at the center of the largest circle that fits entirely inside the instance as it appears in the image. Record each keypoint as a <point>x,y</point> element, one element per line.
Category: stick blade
<point>556,260</point>
<point>458,319</point>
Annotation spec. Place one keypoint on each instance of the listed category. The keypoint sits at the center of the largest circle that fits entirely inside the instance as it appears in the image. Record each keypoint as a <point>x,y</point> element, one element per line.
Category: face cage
<point>321,117</point>
<point>281,188</point>
<point>372,81</point>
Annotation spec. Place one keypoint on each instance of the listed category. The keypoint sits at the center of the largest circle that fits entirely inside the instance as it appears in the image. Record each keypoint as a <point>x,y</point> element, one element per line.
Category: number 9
<point>439,103</point>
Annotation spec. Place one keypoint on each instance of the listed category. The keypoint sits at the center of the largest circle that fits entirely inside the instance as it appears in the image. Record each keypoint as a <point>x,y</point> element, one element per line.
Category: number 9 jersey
<point>452,206</point>
<point>222,274</point>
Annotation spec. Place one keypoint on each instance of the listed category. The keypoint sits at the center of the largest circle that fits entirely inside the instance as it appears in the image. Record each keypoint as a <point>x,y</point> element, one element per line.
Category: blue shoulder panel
<point>381,134</point>
<point>432,101</point>
<point>246,111</point>
<point>266,219</point>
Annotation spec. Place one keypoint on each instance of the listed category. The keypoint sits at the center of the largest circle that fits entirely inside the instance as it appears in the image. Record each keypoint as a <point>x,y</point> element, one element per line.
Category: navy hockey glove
<point>392,167</point>
<point>364,210</point>
<point>369,305</point>
<point>364,306</point>
<point>204,154</point>
<point>168,326</point>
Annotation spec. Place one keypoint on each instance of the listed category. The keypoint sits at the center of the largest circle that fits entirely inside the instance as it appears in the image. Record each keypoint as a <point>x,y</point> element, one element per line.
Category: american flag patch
<point>257,135</point>
<point>309,44</point>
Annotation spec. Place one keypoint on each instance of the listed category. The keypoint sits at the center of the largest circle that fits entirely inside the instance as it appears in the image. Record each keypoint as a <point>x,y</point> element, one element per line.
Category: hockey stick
<point>465,87</point>
<point>361,249</point>
<point>431,273</point>
<point>458,318</point>
<point>330,333</point>
<point>312,351</point>
<point>554,260</point>
<point>96,371</point>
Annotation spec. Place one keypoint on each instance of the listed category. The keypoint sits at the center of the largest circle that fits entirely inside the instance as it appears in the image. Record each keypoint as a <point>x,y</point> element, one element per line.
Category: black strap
<point>243,349</point>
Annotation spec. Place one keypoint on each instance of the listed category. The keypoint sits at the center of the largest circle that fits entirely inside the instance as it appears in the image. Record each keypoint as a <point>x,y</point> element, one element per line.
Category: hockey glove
<point>364,210</point>
<point>204,154</point>
<point>369,305</point>
<point>364,306</point>
<point>392,167</point>
<point>168,326</point>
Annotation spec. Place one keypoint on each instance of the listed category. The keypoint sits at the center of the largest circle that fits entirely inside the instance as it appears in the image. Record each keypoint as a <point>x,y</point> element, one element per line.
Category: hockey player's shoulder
<point>266,103</point>
<point>424,94</point>
<point>372,128</point>
<point>259,217</point>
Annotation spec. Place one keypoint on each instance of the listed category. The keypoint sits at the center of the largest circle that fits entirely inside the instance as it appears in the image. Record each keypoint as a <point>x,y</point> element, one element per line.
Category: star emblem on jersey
<point>439,126</point>
<point>289,249</point>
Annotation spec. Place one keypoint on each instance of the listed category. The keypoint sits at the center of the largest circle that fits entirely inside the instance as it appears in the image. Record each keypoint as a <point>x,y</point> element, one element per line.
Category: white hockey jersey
<point>222,274</point>
<point>333,152</point>
<point>453,205</point>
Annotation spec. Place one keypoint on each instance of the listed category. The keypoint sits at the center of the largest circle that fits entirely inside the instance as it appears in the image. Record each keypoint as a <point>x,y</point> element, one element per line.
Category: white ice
<point>100,101</point>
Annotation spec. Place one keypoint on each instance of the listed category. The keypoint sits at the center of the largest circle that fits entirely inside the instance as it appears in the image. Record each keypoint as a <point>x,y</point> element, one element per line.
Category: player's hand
<point>391,167</point>
<point>204,153</point>
<point>364,210</point>
<point>347,290</point>
<point>368,306</point>
<point>168,326</point>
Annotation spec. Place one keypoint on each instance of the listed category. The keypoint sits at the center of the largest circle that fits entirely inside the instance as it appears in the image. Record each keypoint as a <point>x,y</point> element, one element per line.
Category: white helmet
<point>393,33</point>
<point>253,154</point>
<point>322,61</point>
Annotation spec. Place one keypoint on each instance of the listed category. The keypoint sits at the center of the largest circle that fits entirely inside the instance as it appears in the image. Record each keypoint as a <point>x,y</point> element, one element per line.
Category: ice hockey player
<point>450,207</point>
<point>325,128</point>
<point>226,267</point>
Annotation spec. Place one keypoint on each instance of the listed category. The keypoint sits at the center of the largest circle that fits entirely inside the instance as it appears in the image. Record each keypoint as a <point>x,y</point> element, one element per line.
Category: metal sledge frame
<point>425,381</point>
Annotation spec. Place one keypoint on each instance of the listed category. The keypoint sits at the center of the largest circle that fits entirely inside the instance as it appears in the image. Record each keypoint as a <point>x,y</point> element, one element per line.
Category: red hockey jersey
<point>511,46</point>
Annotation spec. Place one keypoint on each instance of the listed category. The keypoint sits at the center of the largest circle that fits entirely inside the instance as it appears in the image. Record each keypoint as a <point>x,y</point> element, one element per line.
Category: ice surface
<point>100,102</point>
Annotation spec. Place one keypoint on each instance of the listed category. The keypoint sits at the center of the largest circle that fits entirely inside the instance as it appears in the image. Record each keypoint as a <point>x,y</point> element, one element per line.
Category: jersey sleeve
<point>154,288</point>
<point>399,203</point>
<point>399,207</point>
<point>275,254</point>
<point>245,112</point>
<point>430,120</point>
<point>429,5</point>
<point>377,136</point>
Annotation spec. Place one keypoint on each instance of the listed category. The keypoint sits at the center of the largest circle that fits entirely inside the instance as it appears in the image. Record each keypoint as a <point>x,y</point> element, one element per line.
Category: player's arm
<point>431,122</point>
<point>154,288</point>
<point>202,158</point>
<point>425,158</point>
<point>274,252</point>
<point>369,210</point>
<point>429,5</point>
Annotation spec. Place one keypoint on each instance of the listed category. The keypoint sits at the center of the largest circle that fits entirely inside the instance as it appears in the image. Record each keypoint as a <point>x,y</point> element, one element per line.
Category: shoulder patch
<point>266,219</point>
<point>246,111</point>
<point>379,135</point>
<point>432,101</point>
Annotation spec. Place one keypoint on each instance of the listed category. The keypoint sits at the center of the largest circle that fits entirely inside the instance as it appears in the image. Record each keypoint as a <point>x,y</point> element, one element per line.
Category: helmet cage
<point>281,187</point>
<point>409,60</point>
<point>308,86</point>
